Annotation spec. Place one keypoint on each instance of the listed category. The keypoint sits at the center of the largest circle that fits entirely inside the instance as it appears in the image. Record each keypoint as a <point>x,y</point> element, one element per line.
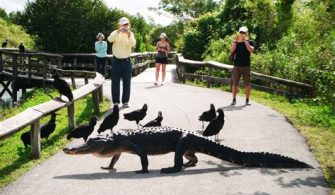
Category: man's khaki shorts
<point>238,71</point>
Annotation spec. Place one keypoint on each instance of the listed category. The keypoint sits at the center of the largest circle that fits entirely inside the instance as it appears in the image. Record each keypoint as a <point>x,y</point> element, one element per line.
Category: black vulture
<point>208,116</point>
<point>4,44</point>
<point>137,115</point>
<point>110,121</point>
<point>83,131</point>
<point>62,86</point>
<point>215,125</point>
<point>49,127</point>
<point>25,137</point>
<point>156,122</point>
<point>46,129</point>
<point>21,48</point>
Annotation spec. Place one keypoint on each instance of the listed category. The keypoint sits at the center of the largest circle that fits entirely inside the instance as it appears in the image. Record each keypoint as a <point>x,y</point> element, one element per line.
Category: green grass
<point>15,35</point>
<point>313,120</point>
<point>15,160</point>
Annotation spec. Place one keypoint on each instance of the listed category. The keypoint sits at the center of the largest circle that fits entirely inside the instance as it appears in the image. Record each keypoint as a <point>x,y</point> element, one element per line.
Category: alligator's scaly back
<point>248,159</point>
<point>162,140</point>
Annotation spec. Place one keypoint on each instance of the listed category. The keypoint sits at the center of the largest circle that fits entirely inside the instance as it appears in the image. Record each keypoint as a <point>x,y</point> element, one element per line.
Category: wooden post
<point>86,79</point>
<point>29,70</point>
<point>95,97</point>
<point>71,116</point>
<point>44,71</point>
<point>35,136</point>
<point>209,74</point>
<point>59,63</point>
<point>182,71</point>
<point>95,64</point>
<point>101,94</point>
<point>75,63</point>
<point>73,81</point>
<point>14,78</point>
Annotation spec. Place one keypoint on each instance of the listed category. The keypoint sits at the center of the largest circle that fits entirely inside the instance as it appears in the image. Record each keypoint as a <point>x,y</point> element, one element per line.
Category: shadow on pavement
<point>298,182</point>
<point>132,175</point>
<point>153,86</point>
<point>232,108</point>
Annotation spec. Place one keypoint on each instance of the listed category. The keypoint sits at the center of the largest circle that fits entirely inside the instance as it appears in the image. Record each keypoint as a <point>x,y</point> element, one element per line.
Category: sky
<point>131,6</point>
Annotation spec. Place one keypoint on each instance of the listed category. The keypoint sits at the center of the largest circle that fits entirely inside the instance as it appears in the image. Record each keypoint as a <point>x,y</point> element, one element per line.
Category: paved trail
<point>247,128</point>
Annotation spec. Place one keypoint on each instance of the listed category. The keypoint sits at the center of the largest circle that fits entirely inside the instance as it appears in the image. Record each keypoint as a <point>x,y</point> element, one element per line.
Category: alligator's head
<point>96,146</point>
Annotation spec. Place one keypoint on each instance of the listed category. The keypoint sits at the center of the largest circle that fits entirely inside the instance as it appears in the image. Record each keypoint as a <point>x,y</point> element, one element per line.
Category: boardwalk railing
<point>259,81</point>
<point>87,61</point>
<point>24,70</point>
<point>33,69</point>
<point>32,116</point>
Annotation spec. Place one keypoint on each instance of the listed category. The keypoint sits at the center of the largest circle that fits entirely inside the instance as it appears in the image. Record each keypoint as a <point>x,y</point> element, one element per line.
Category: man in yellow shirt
<point>123,40</point>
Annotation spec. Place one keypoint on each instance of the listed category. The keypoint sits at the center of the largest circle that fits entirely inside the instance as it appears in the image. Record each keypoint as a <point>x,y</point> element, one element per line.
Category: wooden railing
<point>87,61</point>
<point>23,70</point>
<point>33,69</point>
<point>271,84</point>
<point>32,65</point>
<point>32,116</point>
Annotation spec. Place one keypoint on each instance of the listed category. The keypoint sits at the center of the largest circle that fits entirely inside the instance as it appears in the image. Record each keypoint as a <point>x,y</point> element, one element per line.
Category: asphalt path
<point>247,128</point>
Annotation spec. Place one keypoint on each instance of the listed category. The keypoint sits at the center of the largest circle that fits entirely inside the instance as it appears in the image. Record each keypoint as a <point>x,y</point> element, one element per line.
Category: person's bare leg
<point>234,92</point>
<point>163,72</point>
<point>157,72</point>
<point>247,94</point>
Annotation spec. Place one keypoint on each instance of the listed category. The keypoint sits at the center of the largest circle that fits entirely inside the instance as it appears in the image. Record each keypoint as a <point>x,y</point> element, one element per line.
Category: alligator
<point>162,140</point>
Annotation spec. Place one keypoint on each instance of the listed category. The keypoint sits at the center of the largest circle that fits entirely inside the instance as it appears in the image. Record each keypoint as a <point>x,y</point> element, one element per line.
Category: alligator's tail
<point>249,159</point>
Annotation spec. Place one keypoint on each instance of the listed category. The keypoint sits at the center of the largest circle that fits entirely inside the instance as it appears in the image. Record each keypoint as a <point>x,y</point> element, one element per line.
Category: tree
<point>187,8</point>
<point>3,14</point>
<point>174,32</point>
<point>71,26</point>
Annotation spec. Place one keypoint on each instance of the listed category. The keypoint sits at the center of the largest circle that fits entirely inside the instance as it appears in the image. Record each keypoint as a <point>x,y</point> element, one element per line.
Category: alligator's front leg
<point>178,157</point>
<point>141,153</point>
<point>113,161</point>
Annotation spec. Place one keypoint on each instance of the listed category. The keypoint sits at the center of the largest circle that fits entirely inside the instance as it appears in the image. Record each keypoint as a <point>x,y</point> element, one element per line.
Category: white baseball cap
<point>162,35</point>
<point>243,29</point>
<point>123,21</point>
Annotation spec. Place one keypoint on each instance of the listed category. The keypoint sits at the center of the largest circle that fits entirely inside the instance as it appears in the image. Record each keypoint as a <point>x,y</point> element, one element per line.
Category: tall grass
<point>15,35</point>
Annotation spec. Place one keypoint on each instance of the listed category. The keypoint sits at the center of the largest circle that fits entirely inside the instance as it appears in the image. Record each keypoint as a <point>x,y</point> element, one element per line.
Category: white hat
<point>123,21</point>
<point>162,35</point>
<point>243,29</point>
<point>100,35</point>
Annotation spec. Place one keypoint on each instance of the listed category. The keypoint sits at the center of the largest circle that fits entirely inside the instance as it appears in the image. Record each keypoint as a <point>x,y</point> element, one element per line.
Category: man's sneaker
<point>115,104</point>
<point>247,102</point>
<point>233,102</point>
<point>125,105</point>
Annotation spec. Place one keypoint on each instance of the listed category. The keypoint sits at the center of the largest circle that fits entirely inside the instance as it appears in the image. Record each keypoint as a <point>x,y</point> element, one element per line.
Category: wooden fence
<point>259,81</point>
<point>32,116</point>
<point>29,66</point>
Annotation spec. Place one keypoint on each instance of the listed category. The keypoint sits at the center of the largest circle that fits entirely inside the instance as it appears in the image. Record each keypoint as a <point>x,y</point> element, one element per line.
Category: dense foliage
<point>295,39</point>
<point>71,26</point>
<point>187,8</point>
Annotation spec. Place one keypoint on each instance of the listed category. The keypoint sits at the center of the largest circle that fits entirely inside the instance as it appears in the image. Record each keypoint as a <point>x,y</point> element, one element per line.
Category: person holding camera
<point>101,53</point>
<point>241,48</point>
<point>163,49</point>
<point>123,40</point>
